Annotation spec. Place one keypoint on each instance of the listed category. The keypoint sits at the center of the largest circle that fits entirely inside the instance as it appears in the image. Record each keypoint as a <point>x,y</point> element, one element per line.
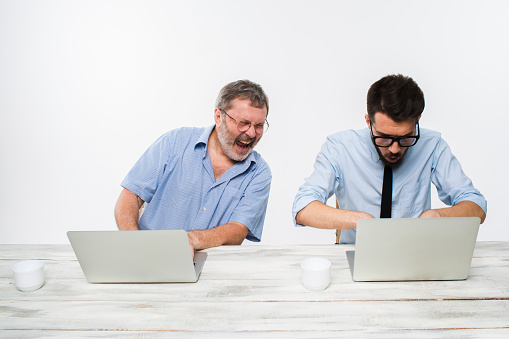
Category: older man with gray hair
<point>207,181</point>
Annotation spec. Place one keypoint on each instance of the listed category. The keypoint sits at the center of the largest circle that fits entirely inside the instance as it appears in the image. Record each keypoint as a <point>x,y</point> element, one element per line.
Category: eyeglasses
<point>407,141</point>
<point>244,126</point>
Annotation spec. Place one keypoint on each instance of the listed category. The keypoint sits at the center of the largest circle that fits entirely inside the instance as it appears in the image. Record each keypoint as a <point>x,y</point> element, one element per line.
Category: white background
<point>87,86</point>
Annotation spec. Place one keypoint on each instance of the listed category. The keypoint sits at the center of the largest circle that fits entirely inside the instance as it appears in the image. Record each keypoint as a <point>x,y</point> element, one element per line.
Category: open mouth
<point>244,145</point>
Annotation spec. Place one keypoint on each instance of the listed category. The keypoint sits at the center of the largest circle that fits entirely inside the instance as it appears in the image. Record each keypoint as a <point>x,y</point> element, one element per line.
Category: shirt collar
<point>374,154</point>
<point>204,139</point>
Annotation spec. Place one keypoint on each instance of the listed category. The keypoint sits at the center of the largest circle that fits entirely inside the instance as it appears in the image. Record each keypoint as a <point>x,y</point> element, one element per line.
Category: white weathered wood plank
<point>368,333</point>
<point>382,334</point>
<point>256,290</point>
<point>254,316</point>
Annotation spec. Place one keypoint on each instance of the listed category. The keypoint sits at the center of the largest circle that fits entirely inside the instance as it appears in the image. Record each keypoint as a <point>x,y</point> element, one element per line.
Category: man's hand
<point>232,233</point>
<point>430,214</point>
<point>192,241</point>
<point>362,215</point>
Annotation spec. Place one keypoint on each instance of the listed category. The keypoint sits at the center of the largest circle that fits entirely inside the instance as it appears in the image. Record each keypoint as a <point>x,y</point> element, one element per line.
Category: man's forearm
<point>461,209</point>
<point>319,215</point>
<point>232,233</point>
<point>127,211</point>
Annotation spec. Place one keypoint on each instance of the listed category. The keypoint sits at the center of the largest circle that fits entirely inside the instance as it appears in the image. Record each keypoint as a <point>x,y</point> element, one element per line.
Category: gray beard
<point>227,146</point>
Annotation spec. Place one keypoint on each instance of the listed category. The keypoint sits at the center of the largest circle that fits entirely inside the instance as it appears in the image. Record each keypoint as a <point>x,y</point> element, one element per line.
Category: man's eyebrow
<point>410,134</point>
<point>250,122</point>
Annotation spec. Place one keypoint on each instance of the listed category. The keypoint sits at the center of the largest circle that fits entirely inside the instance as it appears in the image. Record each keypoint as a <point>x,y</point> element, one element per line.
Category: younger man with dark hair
<point>357,165</point>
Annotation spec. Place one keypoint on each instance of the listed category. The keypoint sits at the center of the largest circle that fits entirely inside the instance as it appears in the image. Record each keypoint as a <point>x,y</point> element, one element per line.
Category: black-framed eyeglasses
<point>243,126</point>
<point>385,141</point>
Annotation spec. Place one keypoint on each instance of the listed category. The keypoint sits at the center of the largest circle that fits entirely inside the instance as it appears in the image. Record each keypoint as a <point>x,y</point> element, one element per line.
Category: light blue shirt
<point>348,166</point>
<point>176,180</point>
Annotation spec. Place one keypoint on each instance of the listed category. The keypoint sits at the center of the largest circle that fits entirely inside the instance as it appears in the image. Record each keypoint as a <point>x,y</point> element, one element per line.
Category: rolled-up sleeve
<point>252,207</point>
<point>453,186</point>
<point>320,186</point>
<point>144,176</point>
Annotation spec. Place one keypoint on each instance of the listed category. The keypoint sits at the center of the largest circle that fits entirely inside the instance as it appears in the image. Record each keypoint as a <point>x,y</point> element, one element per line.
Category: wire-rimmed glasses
<point>243,126</point>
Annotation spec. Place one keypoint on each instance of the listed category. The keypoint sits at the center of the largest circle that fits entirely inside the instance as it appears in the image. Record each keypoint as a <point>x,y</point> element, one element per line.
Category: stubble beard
<point>388,163</point>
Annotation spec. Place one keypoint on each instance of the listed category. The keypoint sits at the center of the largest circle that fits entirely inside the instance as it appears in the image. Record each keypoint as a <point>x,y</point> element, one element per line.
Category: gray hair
<point>244,90</point>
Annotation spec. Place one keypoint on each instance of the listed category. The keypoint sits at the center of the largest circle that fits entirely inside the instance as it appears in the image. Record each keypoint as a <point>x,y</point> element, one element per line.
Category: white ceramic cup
<point>315,273</point>
<point>28,275</point>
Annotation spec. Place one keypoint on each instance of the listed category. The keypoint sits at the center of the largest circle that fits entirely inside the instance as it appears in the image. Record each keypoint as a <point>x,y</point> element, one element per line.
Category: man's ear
<point>217,116</point>
<point>367,119</point>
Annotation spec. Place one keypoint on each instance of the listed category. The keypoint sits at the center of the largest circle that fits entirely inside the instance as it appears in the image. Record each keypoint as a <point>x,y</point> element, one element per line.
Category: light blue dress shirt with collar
<point>176,180</point>
<point>348,166</point>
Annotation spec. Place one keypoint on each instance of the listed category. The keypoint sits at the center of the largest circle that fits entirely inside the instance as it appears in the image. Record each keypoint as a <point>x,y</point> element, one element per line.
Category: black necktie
<point>385,208</point>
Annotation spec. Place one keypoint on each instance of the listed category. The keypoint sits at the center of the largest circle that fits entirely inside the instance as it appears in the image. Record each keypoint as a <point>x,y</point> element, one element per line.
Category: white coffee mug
<point>28,275</point>
<point>315,273</point>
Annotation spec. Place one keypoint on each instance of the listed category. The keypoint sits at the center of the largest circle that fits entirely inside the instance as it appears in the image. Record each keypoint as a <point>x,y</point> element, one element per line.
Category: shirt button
<point>204,208</point>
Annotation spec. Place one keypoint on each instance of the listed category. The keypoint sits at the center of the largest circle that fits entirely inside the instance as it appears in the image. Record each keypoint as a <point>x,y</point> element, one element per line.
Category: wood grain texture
<point>255,291</point>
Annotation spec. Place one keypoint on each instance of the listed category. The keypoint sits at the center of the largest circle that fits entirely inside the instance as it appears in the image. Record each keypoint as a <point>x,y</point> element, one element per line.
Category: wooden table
<point>255,292</point>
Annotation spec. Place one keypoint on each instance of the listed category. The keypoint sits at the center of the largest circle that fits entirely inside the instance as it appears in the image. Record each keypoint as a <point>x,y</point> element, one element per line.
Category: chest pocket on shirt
<point>408,203</point>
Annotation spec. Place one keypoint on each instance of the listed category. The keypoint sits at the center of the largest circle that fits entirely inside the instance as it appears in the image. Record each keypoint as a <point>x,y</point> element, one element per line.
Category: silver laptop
<point>136,256</point>
<point>413,249</point>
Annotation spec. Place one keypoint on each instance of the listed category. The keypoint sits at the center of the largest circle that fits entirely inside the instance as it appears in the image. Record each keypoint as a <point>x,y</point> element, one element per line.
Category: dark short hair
<point>397,96</point>
<point>244,90</point>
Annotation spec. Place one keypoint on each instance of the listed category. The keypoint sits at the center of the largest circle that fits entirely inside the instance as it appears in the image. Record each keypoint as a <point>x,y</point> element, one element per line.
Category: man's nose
<point>251,132</point>
<point>394,148</point>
